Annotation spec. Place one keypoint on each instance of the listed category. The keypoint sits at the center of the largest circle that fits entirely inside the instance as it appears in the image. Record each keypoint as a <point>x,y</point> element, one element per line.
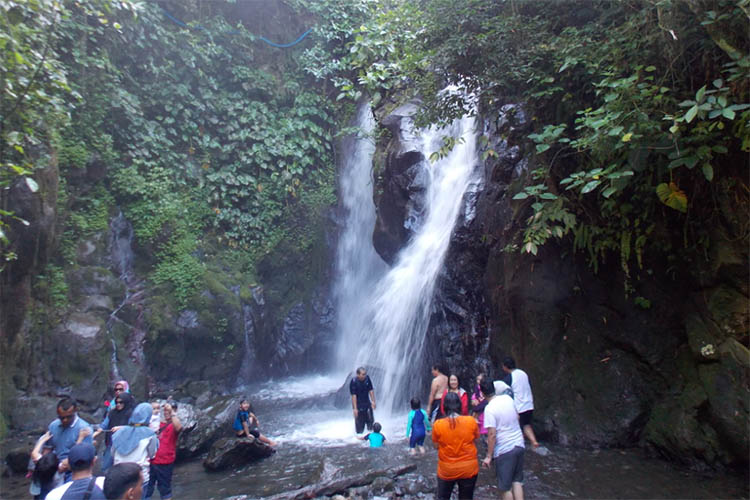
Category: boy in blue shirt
<point>417,427</point>
<point>375,437</point>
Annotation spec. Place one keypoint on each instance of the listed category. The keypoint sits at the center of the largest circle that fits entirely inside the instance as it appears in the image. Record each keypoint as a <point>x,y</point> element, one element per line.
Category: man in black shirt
<point>363,400</point>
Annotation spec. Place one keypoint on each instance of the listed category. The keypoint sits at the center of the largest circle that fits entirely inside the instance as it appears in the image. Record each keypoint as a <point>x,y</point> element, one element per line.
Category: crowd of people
<point>140,440</point>
<point>502,410</point>
<point>140,448</point>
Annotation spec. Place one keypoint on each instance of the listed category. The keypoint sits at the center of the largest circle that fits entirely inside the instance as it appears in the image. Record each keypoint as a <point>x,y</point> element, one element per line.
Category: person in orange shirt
<point>454,438</point>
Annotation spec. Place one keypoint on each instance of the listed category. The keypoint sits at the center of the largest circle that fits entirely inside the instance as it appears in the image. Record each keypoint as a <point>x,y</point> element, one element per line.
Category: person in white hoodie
<point>136,442</point>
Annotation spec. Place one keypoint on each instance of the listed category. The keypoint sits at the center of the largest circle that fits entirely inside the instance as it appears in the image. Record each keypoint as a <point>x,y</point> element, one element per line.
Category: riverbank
<point>564,473</point>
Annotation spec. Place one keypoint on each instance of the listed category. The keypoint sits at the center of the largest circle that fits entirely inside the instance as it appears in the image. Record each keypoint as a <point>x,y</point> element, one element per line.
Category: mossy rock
<point>728,308</point>
<point>727,385</point>
<point>703,337</point>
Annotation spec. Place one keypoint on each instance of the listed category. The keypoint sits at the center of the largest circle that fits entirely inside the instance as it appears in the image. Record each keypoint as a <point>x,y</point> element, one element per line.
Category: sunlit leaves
<point>672,196</point>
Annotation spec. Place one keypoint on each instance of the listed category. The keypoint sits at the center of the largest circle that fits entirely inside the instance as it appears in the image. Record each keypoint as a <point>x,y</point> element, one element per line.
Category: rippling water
<point>316,442</point>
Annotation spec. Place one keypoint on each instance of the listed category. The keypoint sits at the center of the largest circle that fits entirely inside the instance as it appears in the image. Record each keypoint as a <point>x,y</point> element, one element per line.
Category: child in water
<point>417,427</point>
<point>375,437</point>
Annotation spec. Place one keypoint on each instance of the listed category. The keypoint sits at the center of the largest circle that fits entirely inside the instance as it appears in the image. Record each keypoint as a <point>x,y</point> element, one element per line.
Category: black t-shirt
<point>361,389</point>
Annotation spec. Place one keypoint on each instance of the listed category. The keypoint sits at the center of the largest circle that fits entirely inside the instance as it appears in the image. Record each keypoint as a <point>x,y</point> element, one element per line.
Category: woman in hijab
<point>454,438</point>
<point>136,442</point>
<point>118,415</point>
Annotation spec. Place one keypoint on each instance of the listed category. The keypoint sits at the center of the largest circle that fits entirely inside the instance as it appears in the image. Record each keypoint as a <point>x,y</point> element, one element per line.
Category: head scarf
<point>122,417</point>
<point>127,438</point>
<point>124,384</point>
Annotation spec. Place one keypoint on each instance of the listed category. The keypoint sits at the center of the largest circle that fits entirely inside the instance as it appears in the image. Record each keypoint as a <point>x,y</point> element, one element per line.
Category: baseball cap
<point>81,456</point>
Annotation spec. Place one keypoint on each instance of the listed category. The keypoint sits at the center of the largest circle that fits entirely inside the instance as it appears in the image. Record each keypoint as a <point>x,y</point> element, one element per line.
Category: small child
<point>417,427</point>
<point>375,437</point>
<point>155,416</point>
<point>246,424</point>
<point>43,468</point>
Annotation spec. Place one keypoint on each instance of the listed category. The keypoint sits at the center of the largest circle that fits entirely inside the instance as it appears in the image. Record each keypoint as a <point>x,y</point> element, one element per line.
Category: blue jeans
<point>161,478</point>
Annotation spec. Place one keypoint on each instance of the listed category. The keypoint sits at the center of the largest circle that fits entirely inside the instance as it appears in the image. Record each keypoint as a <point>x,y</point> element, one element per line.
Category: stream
<point>316,442</point>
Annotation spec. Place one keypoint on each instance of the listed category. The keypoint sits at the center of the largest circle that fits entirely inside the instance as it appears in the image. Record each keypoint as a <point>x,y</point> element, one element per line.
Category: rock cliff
<point>670,371</point>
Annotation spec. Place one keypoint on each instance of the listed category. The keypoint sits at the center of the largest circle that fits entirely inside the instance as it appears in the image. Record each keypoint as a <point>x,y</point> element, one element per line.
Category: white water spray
<point>387,326</point>
<point>358,266</point>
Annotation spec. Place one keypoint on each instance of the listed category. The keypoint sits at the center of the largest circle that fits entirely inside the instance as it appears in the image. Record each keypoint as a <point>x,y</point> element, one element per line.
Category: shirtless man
<point>438,386</point>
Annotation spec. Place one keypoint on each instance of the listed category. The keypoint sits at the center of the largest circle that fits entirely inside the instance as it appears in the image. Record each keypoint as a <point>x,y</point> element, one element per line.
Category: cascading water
<point>358,266</point>
<point>399,309</point>
<point>383,323</point>
<point>121,253</point>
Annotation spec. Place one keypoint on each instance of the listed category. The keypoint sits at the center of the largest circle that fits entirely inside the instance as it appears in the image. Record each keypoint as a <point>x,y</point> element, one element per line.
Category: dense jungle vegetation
<point>210,140</point>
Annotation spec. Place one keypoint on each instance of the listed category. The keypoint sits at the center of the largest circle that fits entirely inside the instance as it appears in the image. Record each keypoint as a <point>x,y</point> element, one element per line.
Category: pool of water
<point>316,442</point>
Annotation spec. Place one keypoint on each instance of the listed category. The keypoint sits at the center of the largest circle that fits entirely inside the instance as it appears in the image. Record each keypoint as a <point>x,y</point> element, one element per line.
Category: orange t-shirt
<point>457,453</point>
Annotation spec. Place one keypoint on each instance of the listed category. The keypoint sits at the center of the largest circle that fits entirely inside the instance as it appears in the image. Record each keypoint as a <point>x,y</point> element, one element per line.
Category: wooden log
<point>334,486</point>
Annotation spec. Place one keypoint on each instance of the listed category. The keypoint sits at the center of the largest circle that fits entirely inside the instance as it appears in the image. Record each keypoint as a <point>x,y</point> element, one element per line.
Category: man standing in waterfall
<point>363,400</point>
<point>437,388</point>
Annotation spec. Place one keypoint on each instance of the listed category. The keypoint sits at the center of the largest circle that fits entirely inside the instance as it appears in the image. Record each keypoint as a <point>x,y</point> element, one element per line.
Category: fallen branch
<point>334,486</point>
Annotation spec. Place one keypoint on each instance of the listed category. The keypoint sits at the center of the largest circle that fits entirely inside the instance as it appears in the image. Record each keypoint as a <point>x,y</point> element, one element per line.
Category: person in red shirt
<point>162,465</point>
<point>454,387</point>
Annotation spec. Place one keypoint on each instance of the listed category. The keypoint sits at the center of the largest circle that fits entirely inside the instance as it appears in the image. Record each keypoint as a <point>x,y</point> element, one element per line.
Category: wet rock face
<point>205,425</point>
<point>235,452</point>
<point>604,370</point>
<point>400,206</point>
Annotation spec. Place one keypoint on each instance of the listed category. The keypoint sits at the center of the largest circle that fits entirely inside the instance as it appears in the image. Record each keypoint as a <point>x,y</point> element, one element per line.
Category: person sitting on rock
<point>375,437</point>
<point>246,424</point>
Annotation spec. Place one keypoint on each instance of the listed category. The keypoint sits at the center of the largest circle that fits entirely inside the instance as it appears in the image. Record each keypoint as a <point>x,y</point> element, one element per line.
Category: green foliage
<point>52,289</point>
<point>627,99</point>
<point>36,97</point>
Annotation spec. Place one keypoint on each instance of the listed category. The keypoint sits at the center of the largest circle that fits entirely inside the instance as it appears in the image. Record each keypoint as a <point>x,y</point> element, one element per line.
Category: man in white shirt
<point>524,399</point>
<point>504,440</point>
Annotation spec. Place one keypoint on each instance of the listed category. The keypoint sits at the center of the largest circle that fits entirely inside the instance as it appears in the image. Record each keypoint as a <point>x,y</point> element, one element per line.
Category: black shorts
<point>525,417</point>
<point>435,412</point>
<point>253,432</point>
<point>364,418</point>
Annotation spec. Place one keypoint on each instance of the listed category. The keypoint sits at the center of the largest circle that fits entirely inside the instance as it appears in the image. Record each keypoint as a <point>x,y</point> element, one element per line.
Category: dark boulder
<point>17,460</point>
<point>233,452</point>
<point>400,207</point>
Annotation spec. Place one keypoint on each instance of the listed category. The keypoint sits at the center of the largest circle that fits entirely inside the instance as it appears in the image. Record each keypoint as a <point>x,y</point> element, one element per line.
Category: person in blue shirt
<point>68,430</point>
<point>246,424</point>
<point>417,427</point>
<point>363,400</point>
<point>375,438</point>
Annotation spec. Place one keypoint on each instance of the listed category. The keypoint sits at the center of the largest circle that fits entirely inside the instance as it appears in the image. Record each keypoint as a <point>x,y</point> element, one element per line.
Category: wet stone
<point>234,452</point>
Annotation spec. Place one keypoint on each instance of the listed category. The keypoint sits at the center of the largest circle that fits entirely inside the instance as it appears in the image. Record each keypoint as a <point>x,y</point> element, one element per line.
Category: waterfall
<point>122,256</point>
<point>358,266</point>
<point>386,319</point>
<point>248,328</point>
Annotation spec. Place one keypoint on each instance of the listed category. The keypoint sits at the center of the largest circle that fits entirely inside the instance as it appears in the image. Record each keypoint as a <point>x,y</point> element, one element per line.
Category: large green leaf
<point>672,196</point>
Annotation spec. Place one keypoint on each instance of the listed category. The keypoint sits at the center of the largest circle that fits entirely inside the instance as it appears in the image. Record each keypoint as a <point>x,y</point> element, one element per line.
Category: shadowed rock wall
<point>673,375</point>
